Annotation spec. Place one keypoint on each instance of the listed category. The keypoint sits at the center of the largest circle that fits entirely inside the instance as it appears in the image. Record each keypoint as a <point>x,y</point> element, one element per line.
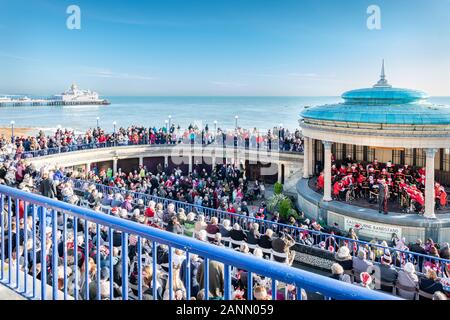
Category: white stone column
<point>166,161</point>
<point>310,157</point>
<point>279,171</point>
<point>327,171</point>
<point>115,160</point>
<point>306,157</point>
<point>429,183</point>
<point>87,167</point>
<point>213,161</point>
<point>141,161</point>
<point>190,162</point>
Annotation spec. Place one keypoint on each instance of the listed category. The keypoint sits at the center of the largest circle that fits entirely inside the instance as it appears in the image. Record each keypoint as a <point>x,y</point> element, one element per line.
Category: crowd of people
<point>244,235</point>
<point>64,140</point>
<point>382,183</point>
<point>389,276</point>
<point>247,231</point>
<point>53,185</point>
<point>225,187</point>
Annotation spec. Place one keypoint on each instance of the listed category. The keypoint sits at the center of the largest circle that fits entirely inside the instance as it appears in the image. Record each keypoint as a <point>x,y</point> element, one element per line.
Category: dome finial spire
<point>382,82</point>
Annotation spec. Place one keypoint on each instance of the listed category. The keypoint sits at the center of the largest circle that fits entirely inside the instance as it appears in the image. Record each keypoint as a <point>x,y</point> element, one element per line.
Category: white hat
<point>343,252</point>
<point>409,267</point>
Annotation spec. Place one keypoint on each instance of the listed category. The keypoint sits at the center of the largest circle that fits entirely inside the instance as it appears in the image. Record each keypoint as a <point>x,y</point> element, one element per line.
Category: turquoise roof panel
<point>383,95</point>
<point>410,113</point>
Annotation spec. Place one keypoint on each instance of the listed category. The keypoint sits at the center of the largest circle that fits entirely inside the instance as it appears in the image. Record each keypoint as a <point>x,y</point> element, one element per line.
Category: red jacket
<point>337,188</point>
<point>320,182</point>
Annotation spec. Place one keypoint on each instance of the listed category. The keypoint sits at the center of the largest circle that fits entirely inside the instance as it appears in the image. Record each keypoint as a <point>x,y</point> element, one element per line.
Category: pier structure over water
<point>71,97</point>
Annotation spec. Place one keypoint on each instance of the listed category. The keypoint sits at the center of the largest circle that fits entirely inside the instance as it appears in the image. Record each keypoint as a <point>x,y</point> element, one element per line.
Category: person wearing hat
<point>365,280</point>
<point>343,257</point>
<point>384,272</point>
<point>407,278</point>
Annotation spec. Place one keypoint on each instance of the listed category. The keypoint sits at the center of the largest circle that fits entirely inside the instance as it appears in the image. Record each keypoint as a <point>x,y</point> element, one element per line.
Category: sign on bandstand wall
<point>372,230</point>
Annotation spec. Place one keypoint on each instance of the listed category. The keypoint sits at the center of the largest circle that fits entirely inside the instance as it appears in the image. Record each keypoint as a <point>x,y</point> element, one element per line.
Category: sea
<point>253,112</point>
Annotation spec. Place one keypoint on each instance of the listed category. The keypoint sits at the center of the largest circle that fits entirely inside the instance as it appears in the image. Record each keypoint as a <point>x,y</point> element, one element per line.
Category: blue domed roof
<point>383,95</point>
<point>412,113</point>
<point>382,104</point>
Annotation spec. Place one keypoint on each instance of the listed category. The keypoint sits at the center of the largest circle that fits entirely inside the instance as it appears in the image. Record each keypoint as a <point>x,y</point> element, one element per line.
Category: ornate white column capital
<point>327,144</point>
<point>431,152</point>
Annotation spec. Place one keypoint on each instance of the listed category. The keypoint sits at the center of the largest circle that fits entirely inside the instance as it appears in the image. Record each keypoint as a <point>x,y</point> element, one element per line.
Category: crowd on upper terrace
<point>277,138</point>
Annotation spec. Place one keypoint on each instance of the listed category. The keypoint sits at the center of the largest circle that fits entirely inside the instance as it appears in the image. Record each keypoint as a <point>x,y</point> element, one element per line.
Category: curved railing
<point>97,145</point>
<point>296,232</point>
<point>56,214</point>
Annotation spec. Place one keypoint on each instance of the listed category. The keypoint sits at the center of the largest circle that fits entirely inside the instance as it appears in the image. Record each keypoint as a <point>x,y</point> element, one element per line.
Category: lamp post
<point>166,123</point>
<point>170,122</point>
<point>98,118</point>
<point>58,137</point>
<point>12,131</point>
<point>215,131</point>
<point>114,132</point>
<point>236,121</point>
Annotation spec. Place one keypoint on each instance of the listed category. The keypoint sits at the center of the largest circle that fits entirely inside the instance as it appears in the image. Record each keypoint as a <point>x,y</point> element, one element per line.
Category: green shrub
<point>273,203</point>
<point>294,213</point>
<point>277,188</point>
<point>285,208</point>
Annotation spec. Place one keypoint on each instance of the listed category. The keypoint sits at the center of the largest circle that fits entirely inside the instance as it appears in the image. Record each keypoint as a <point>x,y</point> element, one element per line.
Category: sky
<point>223,47</point>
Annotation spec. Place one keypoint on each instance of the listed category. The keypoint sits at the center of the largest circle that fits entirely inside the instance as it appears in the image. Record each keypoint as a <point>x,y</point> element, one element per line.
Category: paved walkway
<point>8,294</point>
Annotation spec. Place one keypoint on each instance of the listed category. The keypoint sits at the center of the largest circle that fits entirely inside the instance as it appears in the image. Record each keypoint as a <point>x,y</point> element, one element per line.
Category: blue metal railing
<point>97,145</point>
<point>404,256</point>
<point>49,216</point>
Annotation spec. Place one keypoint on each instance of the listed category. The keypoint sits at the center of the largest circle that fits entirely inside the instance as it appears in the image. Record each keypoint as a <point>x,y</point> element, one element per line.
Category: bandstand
<point>384,123</point>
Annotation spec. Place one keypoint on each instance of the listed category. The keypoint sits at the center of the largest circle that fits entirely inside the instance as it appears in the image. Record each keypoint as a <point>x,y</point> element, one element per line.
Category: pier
<point>71,97</point>
<point>44,102</point>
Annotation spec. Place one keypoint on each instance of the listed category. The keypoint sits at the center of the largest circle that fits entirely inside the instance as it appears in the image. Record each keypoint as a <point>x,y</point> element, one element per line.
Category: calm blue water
<point>260,112</point>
